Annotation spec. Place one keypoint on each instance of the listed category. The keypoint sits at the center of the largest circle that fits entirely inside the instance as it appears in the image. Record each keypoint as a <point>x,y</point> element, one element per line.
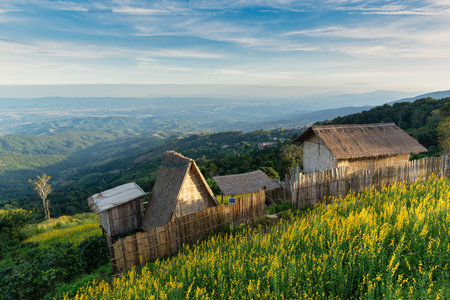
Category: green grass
<point>279,208</point>
<point>72,229</point>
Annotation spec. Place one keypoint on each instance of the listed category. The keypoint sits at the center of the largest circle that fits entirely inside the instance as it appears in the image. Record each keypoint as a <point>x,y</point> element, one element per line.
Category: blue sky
<point>312,47</point>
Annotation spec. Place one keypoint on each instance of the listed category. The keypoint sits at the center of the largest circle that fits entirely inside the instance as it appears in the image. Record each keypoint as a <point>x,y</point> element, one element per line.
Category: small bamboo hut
<point>356,146</point>
<point>119,208</point>
<point>250,182</point>
<point>180,189</point>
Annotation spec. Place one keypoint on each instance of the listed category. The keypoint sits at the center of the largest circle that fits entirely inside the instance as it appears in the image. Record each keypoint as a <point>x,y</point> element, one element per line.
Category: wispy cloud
<point>183,54</point>
<point>316,42</point>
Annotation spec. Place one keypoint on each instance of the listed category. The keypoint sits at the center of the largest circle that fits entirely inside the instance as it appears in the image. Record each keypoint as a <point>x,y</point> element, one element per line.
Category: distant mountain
<point>434,95</point>
<point>345,100</point>
<point>308,118</point>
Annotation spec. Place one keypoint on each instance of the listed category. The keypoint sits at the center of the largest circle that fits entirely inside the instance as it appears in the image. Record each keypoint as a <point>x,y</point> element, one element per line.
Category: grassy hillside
<point>65,229</point>
<point>420,119</point>
<point>51,257</point>
<point>388,244</point>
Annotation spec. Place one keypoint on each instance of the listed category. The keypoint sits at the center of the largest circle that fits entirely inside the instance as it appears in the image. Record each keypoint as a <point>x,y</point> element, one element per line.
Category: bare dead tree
<point>43,188</point>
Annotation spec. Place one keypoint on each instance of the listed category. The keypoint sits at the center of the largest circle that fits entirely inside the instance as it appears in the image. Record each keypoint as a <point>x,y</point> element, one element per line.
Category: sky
<point>254,48</point>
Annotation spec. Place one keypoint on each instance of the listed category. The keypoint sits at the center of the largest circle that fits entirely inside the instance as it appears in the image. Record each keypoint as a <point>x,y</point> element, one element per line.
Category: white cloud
<point>261,75</point>
<point>420,37</point>
<point>82,51</point>
<point>138,11</point>
<point>146,59</point>
<point>183,54</point>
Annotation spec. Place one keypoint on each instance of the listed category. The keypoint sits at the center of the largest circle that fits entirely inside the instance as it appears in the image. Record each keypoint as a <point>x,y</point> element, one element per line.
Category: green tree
<point>270,172</point>
<point>43,188</point>
<point>444,129</point>
<point>290,155</point>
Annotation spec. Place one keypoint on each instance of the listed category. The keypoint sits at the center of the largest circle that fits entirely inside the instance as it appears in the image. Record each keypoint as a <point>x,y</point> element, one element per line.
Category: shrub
<point>11,224</point>
<point>93,252</point>
<point>41,270</point>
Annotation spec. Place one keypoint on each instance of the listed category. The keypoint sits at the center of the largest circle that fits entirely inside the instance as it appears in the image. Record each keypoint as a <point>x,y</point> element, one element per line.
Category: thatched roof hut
<point>356,146</point>
<point>244,183</point>
<point>119,208</point>
<point>180,189</point>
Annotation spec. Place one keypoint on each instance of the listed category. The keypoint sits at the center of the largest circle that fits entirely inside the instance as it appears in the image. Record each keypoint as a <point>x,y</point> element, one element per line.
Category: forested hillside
<point>82,163</point>
<point>420,119</point>
<point>107,164</point>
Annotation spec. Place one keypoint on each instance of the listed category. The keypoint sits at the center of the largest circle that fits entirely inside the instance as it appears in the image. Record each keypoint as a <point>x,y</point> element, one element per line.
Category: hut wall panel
<point>122,219</point>
<point>166,240</point>
<point>104,222</point>
<point>354,165</point>
<point>317,157</point>
<point>193,196</point>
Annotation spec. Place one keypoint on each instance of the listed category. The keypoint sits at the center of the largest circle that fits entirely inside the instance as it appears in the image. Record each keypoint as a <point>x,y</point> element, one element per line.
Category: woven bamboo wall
<point>166,240</point>
<point>312,188</point>
<point>354,165</point>
<point>193,196</point>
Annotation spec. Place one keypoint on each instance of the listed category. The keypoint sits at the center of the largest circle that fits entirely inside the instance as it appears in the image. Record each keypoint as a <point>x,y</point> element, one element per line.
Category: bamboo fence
<point>312,188</point>
<point>166,240</point>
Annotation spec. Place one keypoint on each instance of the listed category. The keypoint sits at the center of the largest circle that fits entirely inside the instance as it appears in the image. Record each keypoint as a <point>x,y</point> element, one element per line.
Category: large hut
<point>120,208</point>
<point>180,189</point>
<point>356,146</point>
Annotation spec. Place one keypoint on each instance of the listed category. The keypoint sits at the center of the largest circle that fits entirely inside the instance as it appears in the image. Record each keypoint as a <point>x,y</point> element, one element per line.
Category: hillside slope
<point>390,244</point>
<point>110,163</point>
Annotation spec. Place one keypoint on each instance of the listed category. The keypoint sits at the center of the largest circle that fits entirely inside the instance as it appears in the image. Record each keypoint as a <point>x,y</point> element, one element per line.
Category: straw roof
<point>251,182</point>
<point>363,140</point>
<point>114,197</point>
<point>167,187</point>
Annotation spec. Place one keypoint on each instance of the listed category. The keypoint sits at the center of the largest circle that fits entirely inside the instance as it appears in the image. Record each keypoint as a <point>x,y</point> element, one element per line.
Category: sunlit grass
<point>72,229</point>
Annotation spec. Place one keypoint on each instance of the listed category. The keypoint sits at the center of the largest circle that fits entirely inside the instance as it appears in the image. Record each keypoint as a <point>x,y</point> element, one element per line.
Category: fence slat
<point>166,240</point>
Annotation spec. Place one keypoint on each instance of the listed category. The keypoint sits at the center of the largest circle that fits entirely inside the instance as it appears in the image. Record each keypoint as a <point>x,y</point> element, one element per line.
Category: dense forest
<point>420,119</point>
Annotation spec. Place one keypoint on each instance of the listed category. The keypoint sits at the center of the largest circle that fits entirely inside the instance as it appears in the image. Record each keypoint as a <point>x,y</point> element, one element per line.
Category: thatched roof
<point>114,197</point>
<point>167,188</point>
<point>363,140</point>
<point>245,183</point>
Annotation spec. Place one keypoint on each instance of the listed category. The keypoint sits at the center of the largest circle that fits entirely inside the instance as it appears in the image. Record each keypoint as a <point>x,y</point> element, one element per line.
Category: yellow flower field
<point>392,243</point>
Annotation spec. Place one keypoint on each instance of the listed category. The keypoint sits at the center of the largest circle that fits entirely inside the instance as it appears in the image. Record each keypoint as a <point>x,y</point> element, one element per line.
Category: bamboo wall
<point>166,240</point>
<point>278,195</point>
<point>312,188</point>
<point>193,195</point>
<point>354,165</point>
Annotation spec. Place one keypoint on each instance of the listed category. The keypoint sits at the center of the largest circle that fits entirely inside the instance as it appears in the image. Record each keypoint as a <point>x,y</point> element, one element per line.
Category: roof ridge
<point>239,174</point>
<point>171,153</point>
<point>354,125</point>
